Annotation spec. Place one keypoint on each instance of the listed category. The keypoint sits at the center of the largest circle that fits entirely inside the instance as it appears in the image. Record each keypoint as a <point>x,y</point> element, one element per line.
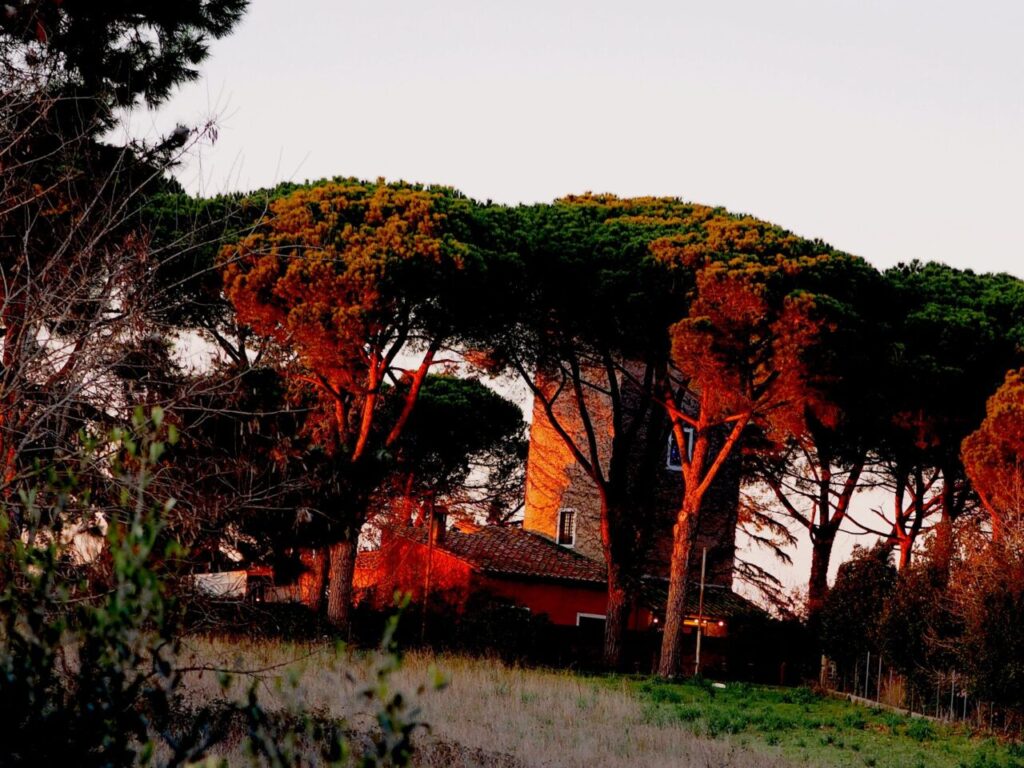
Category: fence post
<point>952,692</point>
<point>867,675</point>
<point>878,696</point>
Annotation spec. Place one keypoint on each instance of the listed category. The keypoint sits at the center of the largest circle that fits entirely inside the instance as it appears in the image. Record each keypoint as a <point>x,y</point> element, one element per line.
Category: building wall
<point>561,603</point>
<point>554,481</point>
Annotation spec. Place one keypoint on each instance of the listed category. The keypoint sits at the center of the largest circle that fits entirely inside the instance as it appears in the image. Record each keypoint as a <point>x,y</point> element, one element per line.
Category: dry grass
<point>488,715</point>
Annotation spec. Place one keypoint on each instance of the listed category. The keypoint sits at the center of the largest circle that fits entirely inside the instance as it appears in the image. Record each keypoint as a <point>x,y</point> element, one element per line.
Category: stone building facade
<point>563,503</point>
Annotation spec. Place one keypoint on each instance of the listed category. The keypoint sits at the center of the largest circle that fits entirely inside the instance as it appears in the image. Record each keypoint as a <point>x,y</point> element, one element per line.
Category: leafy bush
<point>97,668</point>
<point>920,729</point>
<point>88,671</point>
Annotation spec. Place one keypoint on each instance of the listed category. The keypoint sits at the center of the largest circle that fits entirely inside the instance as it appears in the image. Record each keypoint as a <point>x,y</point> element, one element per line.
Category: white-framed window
<point>590,620</point>
<point>566,535</point>
<point>675,458</point>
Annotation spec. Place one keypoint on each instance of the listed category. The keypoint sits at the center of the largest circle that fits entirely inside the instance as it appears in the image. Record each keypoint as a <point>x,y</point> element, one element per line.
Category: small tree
<point>851,618</point>
<point>464,447</point>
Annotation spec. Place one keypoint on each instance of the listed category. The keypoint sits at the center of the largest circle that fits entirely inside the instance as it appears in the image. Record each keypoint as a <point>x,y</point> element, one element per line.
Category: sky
<point>891,130</point>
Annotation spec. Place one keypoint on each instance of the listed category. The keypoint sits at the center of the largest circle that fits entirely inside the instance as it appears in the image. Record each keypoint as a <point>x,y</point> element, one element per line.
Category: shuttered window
<point>567,527</point>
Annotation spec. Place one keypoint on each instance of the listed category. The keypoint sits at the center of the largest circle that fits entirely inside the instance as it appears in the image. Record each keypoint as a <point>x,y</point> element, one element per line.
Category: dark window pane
<point>565,526</point>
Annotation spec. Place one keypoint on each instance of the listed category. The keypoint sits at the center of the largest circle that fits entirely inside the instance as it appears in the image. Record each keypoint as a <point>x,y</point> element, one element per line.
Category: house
<point>554,563</point>
<point>523,568</point>
<point>507,563</point>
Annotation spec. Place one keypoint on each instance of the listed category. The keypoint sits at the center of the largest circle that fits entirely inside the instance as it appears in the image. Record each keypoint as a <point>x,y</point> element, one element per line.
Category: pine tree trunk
<point>817,585</point>
<point>942,547</point>
<point>313,577</point>
<point>906,551</point>
<point>339,585</point>
<point>671,662</point>
<point>616,617</point>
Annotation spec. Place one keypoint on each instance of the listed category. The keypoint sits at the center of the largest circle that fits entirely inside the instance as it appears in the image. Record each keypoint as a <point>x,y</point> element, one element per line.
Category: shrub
<point>920,729</point>
<point>89,676</point>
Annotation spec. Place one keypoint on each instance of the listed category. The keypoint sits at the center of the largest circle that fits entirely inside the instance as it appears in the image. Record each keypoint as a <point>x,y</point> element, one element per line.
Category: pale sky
<point>892,130</point>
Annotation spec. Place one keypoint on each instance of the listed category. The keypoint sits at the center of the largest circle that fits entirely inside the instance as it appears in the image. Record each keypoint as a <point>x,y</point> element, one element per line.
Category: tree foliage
<point>463,447</point>
<point>114,54</point>
<point>956,334</point>
<point>994,454</point>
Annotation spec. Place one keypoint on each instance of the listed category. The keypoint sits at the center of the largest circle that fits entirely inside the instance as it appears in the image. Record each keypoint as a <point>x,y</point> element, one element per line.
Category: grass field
<point>805,728</point>
<point>494,715</point>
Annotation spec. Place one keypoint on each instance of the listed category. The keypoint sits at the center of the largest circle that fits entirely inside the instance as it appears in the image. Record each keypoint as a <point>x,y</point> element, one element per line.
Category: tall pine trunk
<point>821,556</point>
<point>619,563</point>
<point>339,585</point>
<point>671,662</point>
<point>616,617</point>
<point>313,577</point>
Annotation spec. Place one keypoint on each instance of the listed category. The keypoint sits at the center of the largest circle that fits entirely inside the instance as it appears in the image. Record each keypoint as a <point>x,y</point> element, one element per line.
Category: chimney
<point>438,524</point>
<point>465,525</point>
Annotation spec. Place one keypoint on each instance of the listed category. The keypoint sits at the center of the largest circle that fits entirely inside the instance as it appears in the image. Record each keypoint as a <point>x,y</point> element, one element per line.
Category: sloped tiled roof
<point>720,602</point>
<point>514,552</point>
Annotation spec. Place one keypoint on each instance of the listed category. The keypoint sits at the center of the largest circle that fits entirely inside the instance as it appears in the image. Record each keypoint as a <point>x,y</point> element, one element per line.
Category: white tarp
<point>224,584</point>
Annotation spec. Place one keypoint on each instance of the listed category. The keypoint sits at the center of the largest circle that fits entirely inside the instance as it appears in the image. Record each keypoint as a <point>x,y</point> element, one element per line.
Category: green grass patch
<point>802,726</point>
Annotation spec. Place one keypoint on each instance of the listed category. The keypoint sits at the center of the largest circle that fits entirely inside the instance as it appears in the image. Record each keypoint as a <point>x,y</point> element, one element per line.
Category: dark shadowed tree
<point>851,617</point>
<point>464,448</point>
<point>585,329</point>
<point>956,335</point>
<point>74,301</point>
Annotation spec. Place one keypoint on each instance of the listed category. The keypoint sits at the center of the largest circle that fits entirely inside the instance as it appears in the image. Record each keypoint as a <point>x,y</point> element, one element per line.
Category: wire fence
<point>943,696</point>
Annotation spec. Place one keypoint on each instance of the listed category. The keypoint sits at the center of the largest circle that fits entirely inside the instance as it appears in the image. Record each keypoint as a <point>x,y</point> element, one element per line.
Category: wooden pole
<point>878,697</point>
<point>700,610</point>
<point>867,676</point>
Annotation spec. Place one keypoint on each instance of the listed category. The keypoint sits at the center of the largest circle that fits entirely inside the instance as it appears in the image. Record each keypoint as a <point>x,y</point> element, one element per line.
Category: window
<point>675,459</point>
<point>567,527</point>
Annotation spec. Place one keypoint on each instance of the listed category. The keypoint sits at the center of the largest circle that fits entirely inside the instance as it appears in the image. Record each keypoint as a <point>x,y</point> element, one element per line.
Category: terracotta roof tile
<point>514,552</point>
<point>369,559</point>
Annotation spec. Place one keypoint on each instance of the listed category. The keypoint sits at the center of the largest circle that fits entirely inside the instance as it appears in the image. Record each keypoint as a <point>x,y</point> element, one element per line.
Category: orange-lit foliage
<point>994,454</point>
<point>345,274</point>
<point>351,276</point>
